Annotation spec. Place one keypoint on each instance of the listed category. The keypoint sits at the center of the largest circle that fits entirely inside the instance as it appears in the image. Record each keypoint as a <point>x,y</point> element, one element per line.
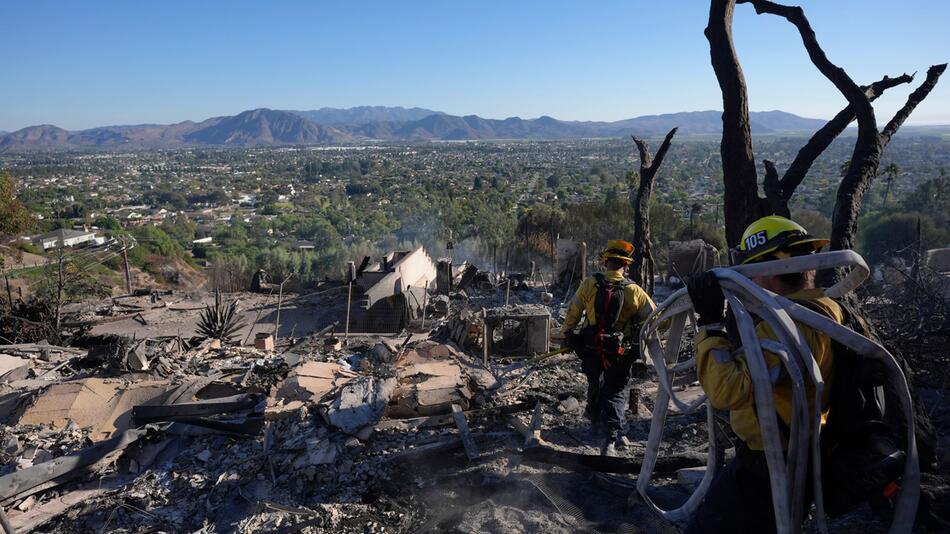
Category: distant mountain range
<point>329,126</point>
<point>361,115</point>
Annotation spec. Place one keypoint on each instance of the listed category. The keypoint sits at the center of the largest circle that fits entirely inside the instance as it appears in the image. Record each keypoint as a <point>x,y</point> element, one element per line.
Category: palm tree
<point>892,170</point>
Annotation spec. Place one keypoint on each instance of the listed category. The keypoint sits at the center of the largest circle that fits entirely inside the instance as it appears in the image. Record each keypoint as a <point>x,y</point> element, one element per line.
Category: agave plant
<point>221,320</point>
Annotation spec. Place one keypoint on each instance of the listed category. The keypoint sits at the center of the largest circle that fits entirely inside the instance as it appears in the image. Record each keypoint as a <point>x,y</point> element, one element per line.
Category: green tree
<point>932,197</point>
<point>14,217</point>
<point>895,235</point>
<point>816,223</point>
<point>107,222</point>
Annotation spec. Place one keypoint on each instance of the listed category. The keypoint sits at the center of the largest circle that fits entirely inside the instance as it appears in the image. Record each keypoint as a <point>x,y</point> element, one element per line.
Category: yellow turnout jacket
<point>636,303</point>
<point>727,382</point>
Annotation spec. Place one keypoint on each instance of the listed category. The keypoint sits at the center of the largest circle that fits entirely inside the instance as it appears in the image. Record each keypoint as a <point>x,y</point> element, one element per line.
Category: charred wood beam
<point>610,464</point>
<point>823,138</point>
<point>64,468</point>
<point>147,413</point>
<point>644,264</point>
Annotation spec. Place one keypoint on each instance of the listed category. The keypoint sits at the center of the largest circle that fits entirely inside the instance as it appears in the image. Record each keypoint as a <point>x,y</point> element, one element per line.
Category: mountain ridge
<point>266,127</point>
<point>360,115</point>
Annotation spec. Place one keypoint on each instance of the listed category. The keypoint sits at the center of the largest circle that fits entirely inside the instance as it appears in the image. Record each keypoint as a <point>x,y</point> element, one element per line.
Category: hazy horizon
<point>105,63</point>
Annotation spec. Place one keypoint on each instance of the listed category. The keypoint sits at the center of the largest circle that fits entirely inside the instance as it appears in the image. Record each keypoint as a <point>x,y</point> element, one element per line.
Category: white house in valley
<point>63,237</point>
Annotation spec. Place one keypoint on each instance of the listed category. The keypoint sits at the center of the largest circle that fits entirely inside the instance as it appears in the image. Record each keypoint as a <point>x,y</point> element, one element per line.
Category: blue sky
<point>94,63</point>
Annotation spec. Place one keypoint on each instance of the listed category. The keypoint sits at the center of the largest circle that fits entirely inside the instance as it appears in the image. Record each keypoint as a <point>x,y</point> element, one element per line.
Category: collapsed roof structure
<point>470,424</point>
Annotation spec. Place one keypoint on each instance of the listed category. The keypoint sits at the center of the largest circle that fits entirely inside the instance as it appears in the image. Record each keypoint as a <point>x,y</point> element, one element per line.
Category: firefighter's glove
<point>574,341</point>
<point>707,297</point>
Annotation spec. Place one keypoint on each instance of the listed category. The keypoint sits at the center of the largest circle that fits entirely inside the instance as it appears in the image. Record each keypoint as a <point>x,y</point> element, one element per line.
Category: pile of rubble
<point>471,425</point>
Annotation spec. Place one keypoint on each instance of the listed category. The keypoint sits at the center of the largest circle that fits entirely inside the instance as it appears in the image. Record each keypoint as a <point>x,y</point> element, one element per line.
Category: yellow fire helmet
<point>776,237</point>
<point>619,249</point>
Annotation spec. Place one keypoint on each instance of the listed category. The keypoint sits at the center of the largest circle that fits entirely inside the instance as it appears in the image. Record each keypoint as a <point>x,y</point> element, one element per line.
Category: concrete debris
<point>101,405</point>
<point>404,429</point>
<point>430,382</point>
<point>314,380</point>
<point>568,405</point>
<point>13,367</point>
<point>382,353</point>
<point>319,452</point>
<point>359,405</point>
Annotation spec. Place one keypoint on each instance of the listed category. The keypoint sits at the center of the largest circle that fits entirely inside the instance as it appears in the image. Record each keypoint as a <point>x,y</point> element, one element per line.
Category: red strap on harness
<point>891,490</point>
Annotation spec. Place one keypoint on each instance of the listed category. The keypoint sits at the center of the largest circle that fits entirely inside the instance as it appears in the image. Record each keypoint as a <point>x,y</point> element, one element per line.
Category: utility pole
<point>350,277</point>
<point>128,275</point>
<point>60,285</point>
<point>280,303</point>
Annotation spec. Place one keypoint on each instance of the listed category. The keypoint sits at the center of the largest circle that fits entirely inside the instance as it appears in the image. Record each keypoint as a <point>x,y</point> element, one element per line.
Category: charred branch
<point>823,138</point>
<point>835,74</point>
<point>865,163</point>
<point>915,98</point>
<point>644,264</point>
<point>866,157</point>
<point>774,193</point>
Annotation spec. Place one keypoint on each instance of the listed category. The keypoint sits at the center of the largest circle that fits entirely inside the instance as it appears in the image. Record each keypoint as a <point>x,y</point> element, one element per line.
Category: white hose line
<point>812,417</point>
<point>906,508</point>
<point>763,304</point>
<point>796,459</point>
<point>778,313</point>
<point>767,418</point>
<point>814,262</point>
<point>654,350</point>
<point>652,347</point>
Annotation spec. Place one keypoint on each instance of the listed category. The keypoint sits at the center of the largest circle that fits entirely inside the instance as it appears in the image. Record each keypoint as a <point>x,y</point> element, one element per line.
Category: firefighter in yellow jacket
<point>614,308</point>
<point>740,498</point>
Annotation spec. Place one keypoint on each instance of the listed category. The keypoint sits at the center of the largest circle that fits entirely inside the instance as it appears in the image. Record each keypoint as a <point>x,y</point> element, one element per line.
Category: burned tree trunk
<point>644,267</point>
<point>870,144</point>
<point>742,203</point>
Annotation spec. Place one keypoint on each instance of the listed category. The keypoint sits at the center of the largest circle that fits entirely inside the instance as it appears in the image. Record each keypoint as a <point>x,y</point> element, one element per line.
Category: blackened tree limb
<point>866,157</point>
<point>915,98</point>
<point>823,138</point>
<point>838,76</point>
<point>773,191</point>
<point>644,266</point>
<point>861,174</point>
<point>741,201</point>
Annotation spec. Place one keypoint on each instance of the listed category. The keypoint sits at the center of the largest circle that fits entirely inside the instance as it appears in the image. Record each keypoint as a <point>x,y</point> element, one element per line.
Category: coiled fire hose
<point>788,474</point>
